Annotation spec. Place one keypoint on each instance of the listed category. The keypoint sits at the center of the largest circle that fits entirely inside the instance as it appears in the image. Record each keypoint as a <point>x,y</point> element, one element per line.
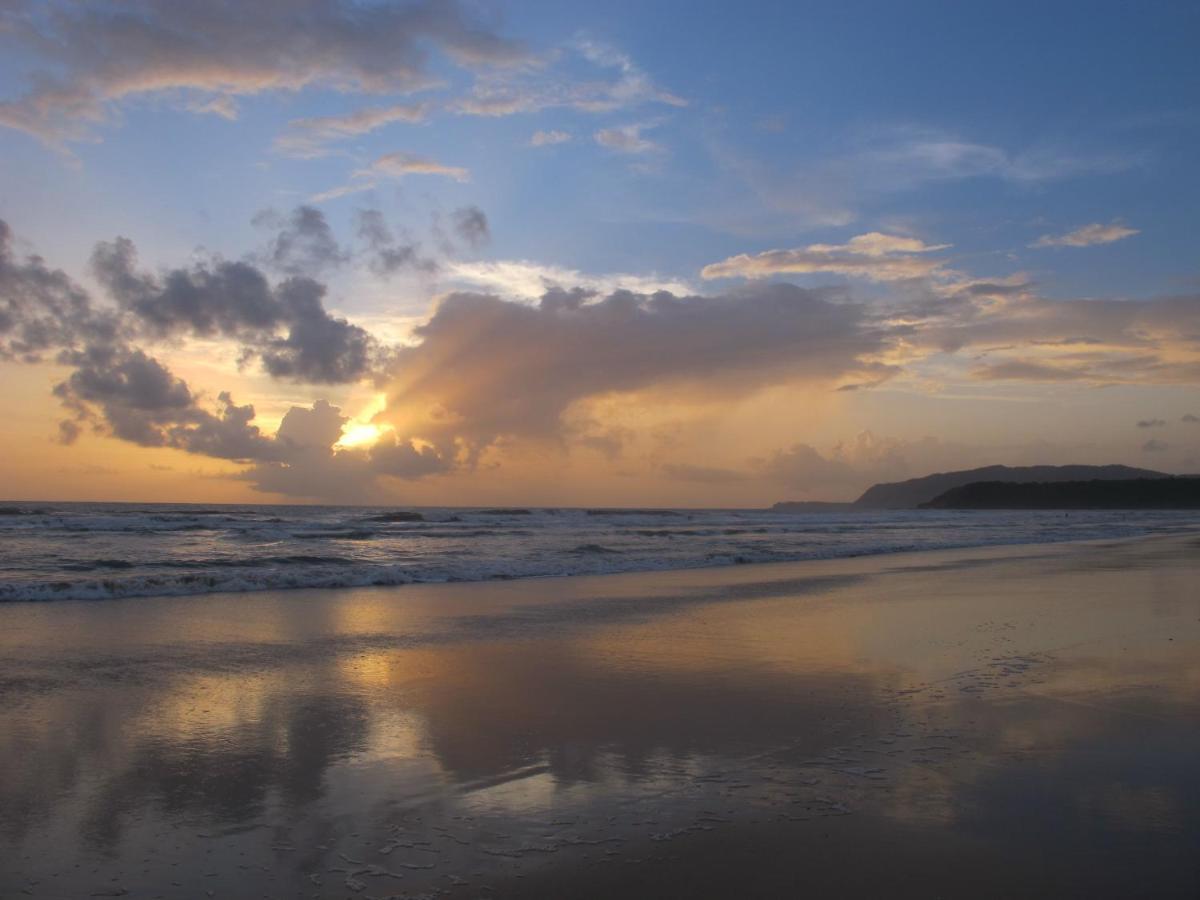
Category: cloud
<point>549,357</point>
<point>527,280</point>
<point>850,466</point>
<point>219,298</point>
<point>304,243</point>
<point>1155,446</point>
<point>1028,370</point>
<point>126,393</point>
<point>903,157</point>
<point>471,226</point>
<point>514,92</point>
<point>133,397</point>
<point>873,256</point>
<point>305,462</point>
<point>485,369</point>
<point>703,474</point>
<point>91,56</point>
<point>398,165</point>
<point>1087,236</point>
<point>548,138</point>
<point>830,190</point>
<point>44,310</point>
<point>1190,419</point>
<point>1102,369</point>
<point>393,165</point>
<point>318,348</point>
<point>803,467</point>
<point>312,138</point>
<point>1151,423</point>
<point>225,107</point>
<point>627,139</point>
<point>387,254</point>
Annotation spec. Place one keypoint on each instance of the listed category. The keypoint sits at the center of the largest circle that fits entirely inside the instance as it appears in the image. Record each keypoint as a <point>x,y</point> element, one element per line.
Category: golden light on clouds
<point>362,431</point>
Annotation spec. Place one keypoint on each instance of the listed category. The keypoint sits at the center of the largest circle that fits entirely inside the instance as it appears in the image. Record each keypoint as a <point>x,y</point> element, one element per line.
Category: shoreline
<point>370,578</point>
<point>997,721</point>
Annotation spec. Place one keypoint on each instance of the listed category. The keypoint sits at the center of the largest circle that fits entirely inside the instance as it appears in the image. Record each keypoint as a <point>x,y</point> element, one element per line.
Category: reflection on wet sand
<point>975,723</point>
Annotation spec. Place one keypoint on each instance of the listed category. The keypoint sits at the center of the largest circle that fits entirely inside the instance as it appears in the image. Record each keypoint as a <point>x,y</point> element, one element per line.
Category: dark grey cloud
<point>219,298</point>
<point>304,243</point>
<point>385,253</point>
<point>1155,446</point>
<point>117,388</point>
<point>42,310</point>
<point>91,56</point>
<point>1151,423</point>
<point>1191,419</point>
<point>134,397</point>
<point>318,348</point>
<point>471,226</point>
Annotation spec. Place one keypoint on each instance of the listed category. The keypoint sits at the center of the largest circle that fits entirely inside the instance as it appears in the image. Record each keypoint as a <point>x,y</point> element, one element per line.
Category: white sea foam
<point>99,551</point>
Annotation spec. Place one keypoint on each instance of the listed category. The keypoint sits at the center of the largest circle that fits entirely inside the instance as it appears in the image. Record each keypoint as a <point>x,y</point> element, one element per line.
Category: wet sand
<point>980,723</point>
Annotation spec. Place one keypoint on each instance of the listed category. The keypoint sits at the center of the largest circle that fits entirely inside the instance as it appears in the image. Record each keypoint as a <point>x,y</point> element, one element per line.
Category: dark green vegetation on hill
<point>1141,493</point>
<point>914,492</point>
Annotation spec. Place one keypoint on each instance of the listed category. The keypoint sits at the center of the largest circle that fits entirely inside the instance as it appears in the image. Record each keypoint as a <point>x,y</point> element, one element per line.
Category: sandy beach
<point>999,722</point>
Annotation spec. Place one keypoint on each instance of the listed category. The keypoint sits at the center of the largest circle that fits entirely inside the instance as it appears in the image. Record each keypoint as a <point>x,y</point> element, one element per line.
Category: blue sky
<point>1050,145</point>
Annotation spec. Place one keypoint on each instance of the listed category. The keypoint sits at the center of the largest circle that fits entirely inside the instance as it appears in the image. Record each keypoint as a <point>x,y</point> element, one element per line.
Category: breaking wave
<point>91,551</point>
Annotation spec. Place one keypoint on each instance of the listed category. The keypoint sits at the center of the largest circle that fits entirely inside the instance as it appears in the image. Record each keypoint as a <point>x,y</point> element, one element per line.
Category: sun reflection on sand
<point>512,728</point>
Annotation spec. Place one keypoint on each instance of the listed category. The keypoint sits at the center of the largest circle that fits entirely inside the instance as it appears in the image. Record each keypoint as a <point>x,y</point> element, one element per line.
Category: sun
<point>359,434</point>
<point>361,431</point>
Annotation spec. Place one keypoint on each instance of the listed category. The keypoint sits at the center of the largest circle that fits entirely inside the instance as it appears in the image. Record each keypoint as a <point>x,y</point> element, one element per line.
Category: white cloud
<point>873,256</point>
<point>1087,236</point>
<point>627,139</point>
<point>309,138</point>
<point>393,165</point>
<point>397,165</point>
<point>547,138</point>
<point>501,93</point>
<point>526,280</point>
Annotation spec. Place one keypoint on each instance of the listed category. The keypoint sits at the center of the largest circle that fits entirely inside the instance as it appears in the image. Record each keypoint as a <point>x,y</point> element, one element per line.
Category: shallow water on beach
<point>88,551</point>
<point>989,723</point>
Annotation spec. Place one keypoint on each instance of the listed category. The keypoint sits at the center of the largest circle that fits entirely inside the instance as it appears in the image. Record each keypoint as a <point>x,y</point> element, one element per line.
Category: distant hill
<point>912,493</point>
<point>1141,493</point>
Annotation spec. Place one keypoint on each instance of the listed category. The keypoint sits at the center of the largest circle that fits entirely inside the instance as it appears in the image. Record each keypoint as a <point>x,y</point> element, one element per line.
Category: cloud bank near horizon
<point>484,374</point>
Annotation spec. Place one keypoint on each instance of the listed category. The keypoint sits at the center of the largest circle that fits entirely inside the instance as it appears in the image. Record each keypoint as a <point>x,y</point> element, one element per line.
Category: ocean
<point>94,551</point>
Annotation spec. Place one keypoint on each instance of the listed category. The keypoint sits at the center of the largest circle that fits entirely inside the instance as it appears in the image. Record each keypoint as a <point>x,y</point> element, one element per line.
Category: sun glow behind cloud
<point>361,431</point>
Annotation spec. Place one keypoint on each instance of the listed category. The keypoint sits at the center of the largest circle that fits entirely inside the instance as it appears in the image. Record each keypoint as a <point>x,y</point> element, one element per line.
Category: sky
<point>689,254</point>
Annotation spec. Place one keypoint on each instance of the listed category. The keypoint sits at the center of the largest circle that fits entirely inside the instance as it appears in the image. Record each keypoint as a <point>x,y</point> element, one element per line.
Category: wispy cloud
<point>526,280</point>
<point>310,138</point>
<point>548,138</point>
<point>628,139</point>
<point>393,166</point>
<point>832,188</point>
<point>873,256</point>
<point>1087,236</point>
<point>622,85</point>
<point>90,57</point>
